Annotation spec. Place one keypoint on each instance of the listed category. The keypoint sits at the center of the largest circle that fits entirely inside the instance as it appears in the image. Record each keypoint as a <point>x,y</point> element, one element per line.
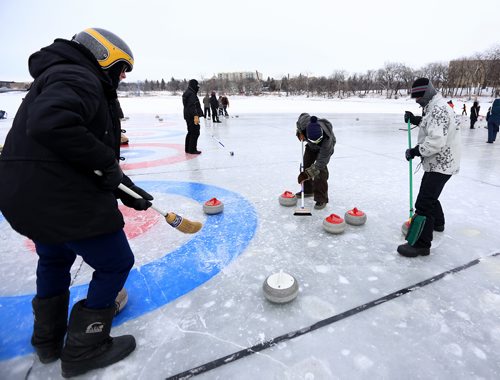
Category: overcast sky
<point>197,39</point>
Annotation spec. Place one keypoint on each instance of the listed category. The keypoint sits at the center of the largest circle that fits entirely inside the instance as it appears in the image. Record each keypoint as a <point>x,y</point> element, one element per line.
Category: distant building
<point>235,76</point>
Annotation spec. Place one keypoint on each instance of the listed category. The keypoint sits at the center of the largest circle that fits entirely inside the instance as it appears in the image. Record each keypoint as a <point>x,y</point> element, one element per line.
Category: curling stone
<point>231,153</point>
<point>213,206</point>
<point>280,287</point>
<point>160,119</point>
<point>121,300</point>
<point>157,116</point>
<point>288,199</point>
<point>355,217</point>
<point>334,224</point>
<point>405,227</point>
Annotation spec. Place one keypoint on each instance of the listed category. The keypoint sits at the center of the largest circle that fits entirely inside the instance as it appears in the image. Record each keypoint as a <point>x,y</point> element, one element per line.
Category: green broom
<point>415,223</point>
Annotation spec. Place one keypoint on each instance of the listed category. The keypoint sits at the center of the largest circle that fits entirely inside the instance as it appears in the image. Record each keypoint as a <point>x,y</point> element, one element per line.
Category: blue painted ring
<point>223,237</point>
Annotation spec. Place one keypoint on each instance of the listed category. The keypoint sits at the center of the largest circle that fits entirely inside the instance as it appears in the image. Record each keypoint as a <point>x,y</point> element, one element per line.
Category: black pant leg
<point>320,186</point>
<point>427,204</point>
<point>186,142</point>
<point>309,158</point>
<point>192,137</point>
<point>214,114</point>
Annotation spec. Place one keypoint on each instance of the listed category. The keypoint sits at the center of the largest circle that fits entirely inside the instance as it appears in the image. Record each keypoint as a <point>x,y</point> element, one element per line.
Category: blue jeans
<point>109,255</point>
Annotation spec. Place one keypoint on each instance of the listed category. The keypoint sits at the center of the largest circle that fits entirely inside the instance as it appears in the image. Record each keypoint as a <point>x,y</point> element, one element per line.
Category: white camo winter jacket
<point>439,138</point>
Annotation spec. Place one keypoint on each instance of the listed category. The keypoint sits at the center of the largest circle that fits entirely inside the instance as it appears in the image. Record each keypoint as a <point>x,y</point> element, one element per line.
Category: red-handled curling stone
<point>288,199</point>
<point>355,217</point>
<point>334,224</point>
<point>213,206</point>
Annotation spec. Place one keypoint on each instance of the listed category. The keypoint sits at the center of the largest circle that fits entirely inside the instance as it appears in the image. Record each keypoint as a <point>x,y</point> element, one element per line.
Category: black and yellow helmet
<point>106,47</point>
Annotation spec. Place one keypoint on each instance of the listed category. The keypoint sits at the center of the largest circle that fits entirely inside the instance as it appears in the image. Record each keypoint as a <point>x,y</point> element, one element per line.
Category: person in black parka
<point>66,128</point>
<point>192,114</point>
<point>474,114</point>
<point>214,104</point>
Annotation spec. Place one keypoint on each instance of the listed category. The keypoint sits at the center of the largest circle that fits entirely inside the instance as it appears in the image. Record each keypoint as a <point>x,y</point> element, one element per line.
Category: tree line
<point>471,76</point>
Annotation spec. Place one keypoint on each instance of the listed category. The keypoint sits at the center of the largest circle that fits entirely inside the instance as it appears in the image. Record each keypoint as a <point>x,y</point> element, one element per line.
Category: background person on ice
<point>493,118</point>
<point>474,114</point>
<point>214,104</point>
<point>68,126</point>
<point>206,106</point>
<point>319,149</point>
<point>192,114</point>
<point>439,149</point>
<point>225,104</point>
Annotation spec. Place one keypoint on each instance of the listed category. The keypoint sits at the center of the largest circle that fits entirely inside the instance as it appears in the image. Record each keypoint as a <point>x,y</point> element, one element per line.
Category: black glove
<point>415,120</point>
<point>303,176</point>
<point>111,177</point>
<point>411,153</point>
<point>137,204</point>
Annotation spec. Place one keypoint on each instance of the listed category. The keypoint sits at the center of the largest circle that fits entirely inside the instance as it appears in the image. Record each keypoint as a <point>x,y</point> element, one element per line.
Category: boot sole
<point>84,366</point>
<point>405,254</point>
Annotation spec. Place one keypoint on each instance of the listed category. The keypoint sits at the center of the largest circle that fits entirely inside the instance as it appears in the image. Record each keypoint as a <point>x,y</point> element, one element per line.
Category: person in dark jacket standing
<point>493,118</point>
<point>214,104</point>
<point>66,128</point>
<point>319,149</point>
<point>192,114</point>
<point>225,104</point>
<point>474,114</point>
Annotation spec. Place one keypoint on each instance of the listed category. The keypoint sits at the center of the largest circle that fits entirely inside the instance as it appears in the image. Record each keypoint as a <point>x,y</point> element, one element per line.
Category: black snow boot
<point>49,327</point>
<point>88,344</point>
<point>409,251</point>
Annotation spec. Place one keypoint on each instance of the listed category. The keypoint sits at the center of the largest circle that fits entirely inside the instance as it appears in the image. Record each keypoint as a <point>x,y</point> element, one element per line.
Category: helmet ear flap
<point>106,47</point>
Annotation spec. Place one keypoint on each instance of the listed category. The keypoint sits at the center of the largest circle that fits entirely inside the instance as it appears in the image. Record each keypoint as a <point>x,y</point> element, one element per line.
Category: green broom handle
<point>410,171</point>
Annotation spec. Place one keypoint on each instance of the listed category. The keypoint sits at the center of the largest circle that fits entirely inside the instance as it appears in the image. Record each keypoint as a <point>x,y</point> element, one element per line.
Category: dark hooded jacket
<point>493,114</point>
<point>191,102</point>
<point>66,127</point>
<point>324,149</point>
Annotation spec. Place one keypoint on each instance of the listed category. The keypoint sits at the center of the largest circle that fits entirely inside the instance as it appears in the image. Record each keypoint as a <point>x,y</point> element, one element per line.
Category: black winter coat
<point>191,105</point>
<point>214,103</point>
<point>66,127</point>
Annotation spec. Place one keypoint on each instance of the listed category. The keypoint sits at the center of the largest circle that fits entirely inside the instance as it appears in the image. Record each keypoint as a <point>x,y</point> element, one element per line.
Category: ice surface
<point>446,330</point>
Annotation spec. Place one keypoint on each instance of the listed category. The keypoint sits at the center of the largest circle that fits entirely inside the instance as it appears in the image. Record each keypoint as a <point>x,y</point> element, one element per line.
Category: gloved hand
<point>412,152</point>
<point>196,120</point>
<point>111,176</point>
<point>137,204</point>
<point>312,171</point>
<point>415,120</point>
<point>303,176</point>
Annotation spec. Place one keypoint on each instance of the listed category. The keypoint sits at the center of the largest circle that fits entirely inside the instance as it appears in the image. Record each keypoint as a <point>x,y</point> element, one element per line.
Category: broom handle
<point>410,171</point>
<point>132,193</point>
<point>302,183</point>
